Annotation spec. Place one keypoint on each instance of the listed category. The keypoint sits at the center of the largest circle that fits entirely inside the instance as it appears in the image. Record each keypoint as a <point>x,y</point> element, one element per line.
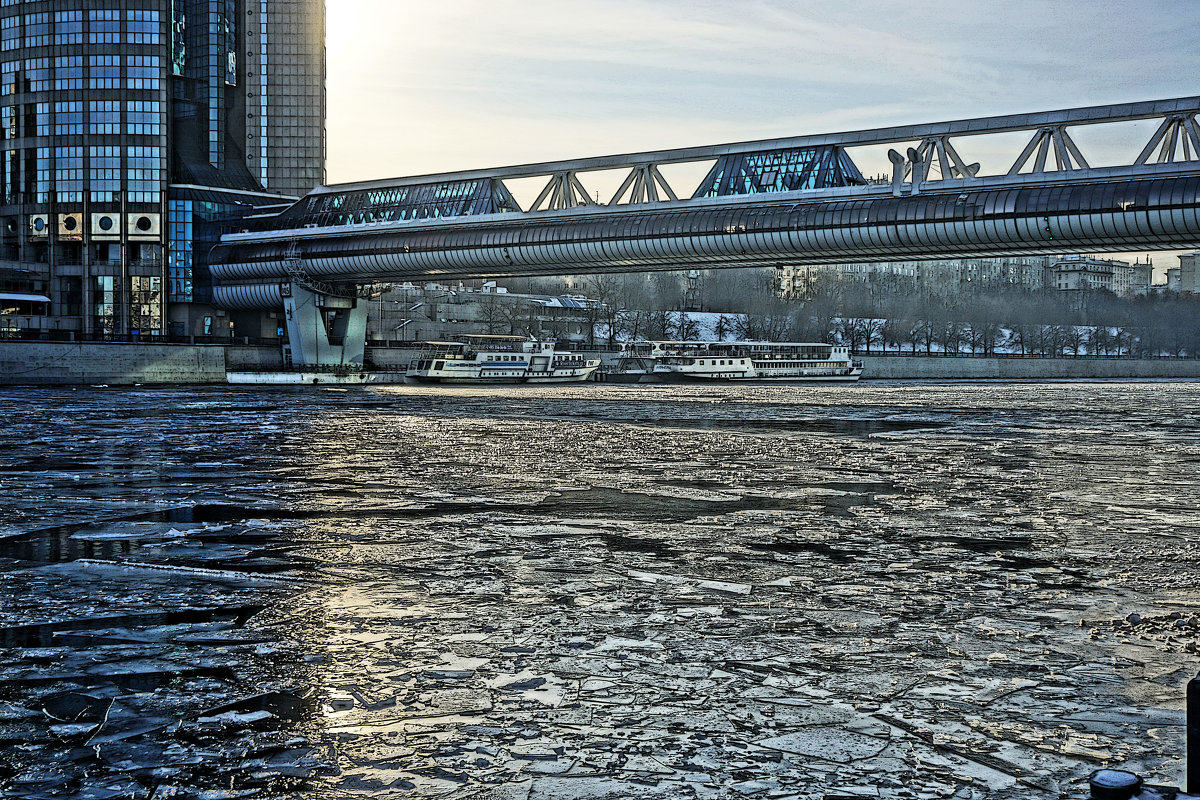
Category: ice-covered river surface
<point>880,590</point>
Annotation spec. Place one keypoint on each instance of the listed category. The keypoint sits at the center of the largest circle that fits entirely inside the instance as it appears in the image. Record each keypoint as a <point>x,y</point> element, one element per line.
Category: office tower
<point>128,125</point>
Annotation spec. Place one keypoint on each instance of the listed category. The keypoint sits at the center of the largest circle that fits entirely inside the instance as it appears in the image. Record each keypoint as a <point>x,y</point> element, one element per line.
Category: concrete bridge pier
<point>325,331</point>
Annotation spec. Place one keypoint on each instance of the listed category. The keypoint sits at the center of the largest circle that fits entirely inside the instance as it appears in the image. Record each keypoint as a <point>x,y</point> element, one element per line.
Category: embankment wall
<point>253,358</point>
<point>951,368</point>
<point>85,363</point>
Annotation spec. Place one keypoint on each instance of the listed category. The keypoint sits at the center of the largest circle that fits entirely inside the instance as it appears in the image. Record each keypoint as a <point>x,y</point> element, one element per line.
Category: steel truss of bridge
<point>800,200</point>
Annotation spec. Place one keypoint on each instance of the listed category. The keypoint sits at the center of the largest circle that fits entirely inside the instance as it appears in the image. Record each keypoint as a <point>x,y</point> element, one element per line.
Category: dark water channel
<point>880,590</point>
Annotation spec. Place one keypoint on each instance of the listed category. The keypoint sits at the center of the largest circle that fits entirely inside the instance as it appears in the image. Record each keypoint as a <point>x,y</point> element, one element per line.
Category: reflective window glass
<point>142,72</point>
<point>37,30</point>
<point>68,73</point>
<point>10,33</point>
<point>104,117</point>
<point>68,27</point>
<point>104,26</point>
<point>104,72</point>
<point>142,26</point>
<point>68,118</point>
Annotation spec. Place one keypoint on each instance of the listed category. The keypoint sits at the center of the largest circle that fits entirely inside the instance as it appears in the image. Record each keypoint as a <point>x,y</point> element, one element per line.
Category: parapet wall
<point>86,363</point>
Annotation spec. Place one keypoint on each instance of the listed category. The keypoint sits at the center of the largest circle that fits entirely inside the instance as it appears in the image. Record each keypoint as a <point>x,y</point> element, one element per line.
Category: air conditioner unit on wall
<point>39,226</point>
<point>70,227</point>
<point>144,227</point>
<point>106,226</point>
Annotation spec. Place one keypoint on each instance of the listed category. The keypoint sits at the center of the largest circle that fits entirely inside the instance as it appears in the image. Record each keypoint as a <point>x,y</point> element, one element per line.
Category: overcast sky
<point>418,86</point>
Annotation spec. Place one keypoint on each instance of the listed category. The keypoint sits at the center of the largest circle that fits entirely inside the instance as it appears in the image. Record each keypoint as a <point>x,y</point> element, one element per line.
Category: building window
<point>42,123</point>
<point>10,174</point>
<point>68,73</point>
<point>43,175</point>
<point>10,33</point>
<point>68,174</point>
<point>179,251</point>
<point>178,39</point>
<point>70,293</point>
<point>105,183</point>
<point>105,72</point>
<point>105,117</point>
<point>104,303</point>
<point>141,27</point>
<point>145,304</point>
<point>37,75</point>
<point>142,72</point>
<point>37,30</point>
<point>8,76</point>
<point>104,27</point>
<point>143,170</point>
<point>68,118</point>
<point>143,117</point>
<point>68,27</point>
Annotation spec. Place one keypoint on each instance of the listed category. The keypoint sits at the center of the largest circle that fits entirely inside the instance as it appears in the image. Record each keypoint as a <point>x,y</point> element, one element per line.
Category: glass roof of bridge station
<point>396,203</point>
<point>780,171</point>
<point>733,174</point>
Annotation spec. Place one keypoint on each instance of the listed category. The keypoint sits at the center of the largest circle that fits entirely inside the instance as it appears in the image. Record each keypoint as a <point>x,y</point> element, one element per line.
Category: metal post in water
<point>1193,736</point>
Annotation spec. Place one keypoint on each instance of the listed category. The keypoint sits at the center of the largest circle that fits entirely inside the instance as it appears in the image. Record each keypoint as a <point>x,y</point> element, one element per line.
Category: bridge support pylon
<point>324,331</point>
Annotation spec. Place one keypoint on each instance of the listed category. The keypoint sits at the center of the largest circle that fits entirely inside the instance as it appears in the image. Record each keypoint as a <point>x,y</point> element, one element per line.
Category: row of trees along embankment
<point>887,314</point>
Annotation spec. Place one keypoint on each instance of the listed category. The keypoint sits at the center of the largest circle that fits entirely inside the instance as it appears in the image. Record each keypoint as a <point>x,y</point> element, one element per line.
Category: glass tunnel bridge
<point>784,201</point>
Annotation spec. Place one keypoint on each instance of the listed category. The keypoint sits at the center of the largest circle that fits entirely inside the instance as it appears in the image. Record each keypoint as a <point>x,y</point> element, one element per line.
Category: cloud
<point>421,87</point>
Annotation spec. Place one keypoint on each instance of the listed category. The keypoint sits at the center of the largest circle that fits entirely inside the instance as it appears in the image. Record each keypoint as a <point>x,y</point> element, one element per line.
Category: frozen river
<point>879,590</point>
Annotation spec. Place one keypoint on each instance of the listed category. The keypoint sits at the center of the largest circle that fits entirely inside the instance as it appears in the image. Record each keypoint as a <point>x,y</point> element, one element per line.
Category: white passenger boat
<point>499,359</point>
<point>633,362</point>
<point>755,361</point>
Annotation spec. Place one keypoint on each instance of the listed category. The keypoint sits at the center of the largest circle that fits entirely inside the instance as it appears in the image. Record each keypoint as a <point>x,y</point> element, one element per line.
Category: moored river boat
<point>499,359</point>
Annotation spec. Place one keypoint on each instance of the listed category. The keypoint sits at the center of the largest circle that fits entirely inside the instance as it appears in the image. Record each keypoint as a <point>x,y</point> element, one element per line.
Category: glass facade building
<point>128,125</point>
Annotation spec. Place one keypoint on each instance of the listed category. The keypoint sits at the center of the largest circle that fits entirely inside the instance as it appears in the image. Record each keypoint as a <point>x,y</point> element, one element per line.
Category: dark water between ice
<point>880,590</point>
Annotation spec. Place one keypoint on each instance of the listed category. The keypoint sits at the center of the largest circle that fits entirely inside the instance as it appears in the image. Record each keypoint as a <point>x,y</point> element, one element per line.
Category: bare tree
<point>491,312</point>
<point>632,325</point>
<point>949,336</point>
<point>1019,337</point>
<point>1099,340</point>
<point>872,331</point>
<point>608,290</point>
<point>1074,339</point>
<point>724,327</point>
<point>660,325</point>
<point>687,327</point>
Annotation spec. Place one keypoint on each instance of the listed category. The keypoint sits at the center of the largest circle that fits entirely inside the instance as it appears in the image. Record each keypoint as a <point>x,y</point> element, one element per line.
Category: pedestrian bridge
<point>801,200</point>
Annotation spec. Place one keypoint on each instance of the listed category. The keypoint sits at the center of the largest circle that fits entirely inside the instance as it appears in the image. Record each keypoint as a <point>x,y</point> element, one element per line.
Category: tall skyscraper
<point>125,125</point>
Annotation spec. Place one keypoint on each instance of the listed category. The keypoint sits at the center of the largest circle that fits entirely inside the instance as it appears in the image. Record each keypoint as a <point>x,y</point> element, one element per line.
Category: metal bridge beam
<point>1028,214</point>
<point>795,200</point>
